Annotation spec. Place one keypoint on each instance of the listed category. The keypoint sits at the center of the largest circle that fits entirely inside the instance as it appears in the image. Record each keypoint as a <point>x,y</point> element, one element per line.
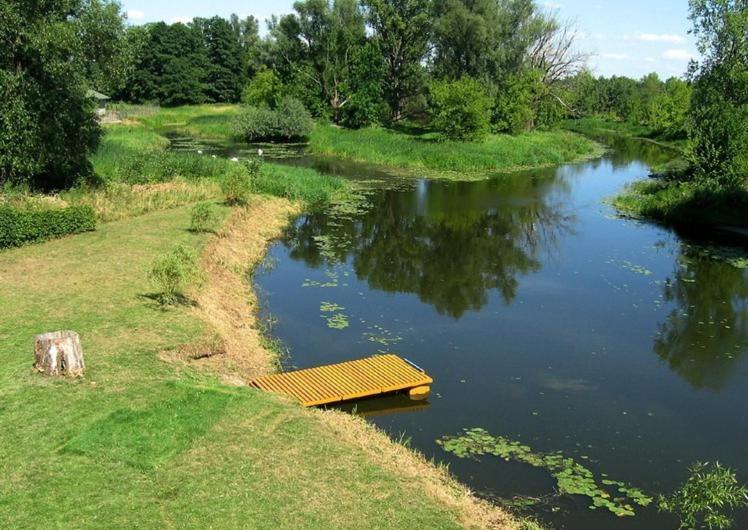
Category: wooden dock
<point>335,383</point>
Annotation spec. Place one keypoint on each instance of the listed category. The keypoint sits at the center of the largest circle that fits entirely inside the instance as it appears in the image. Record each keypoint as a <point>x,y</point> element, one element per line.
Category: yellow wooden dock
<point>322,385</point>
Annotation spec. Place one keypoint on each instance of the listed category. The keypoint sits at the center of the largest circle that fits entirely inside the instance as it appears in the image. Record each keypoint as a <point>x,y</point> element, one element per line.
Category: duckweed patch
<point>572,478</point>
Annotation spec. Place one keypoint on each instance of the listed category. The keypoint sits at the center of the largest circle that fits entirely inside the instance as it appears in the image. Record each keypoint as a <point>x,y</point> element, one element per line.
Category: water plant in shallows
<point>707,498</point>
<point>572,478</point>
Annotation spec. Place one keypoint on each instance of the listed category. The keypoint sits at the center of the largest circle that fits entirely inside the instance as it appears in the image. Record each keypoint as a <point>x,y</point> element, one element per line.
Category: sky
<point>624,37</point>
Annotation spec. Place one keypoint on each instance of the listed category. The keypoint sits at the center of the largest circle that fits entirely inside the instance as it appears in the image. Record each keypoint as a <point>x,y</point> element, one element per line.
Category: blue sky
<point>626,37</point>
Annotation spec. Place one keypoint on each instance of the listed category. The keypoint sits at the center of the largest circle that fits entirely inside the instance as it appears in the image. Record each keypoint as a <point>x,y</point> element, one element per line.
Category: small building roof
<point>96,95</point>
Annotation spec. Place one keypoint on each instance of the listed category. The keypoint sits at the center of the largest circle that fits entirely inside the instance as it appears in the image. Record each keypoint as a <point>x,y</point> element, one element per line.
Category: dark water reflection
<point>542,317</point>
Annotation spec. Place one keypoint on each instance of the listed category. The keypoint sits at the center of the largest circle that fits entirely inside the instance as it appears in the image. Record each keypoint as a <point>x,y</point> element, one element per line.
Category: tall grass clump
<point>172,273</point>
<point>297,184</point>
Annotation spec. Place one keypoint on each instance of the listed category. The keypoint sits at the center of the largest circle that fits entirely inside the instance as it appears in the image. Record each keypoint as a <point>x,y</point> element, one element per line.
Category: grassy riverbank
<point>162,431</point>
<point>598,127</point>
<point>684,204</point>
<point>666,198</point>
<point>423,155</point>
<point>141,442</point>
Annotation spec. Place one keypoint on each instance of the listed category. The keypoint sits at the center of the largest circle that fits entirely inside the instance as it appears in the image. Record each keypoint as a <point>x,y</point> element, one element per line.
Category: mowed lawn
<point>142,443</point>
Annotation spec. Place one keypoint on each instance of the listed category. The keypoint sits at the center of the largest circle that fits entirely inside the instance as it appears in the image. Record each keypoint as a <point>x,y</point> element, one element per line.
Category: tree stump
<point>59,353</point>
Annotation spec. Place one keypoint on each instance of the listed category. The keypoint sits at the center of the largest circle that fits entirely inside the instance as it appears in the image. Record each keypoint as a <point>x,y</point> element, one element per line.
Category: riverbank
<point>143,442</point>
<point>423,156</point>
<point>600,128</point>
<point>665,198</point>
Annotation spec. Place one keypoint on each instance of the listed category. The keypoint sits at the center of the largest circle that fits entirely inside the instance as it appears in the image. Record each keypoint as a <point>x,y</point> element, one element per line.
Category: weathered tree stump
<point>59,353</point>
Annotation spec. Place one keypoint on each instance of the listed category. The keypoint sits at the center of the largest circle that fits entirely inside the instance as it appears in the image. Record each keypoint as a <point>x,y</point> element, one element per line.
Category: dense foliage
<point>19,226</point>
<point>288,121</point>
<point>47,123</point>
<point>720,109</point>
<point>460,109</point>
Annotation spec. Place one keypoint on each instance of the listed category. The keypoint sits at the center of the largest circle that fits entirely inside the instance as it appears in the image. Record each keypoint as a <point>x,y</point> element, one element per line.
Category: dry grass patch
<point>226,301</point>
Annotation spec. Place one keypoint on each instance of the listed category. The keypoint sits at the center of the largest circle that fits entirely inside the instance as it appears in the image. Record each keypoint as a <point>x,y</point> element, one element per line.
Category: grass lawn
<point>422,154</point>
<point>143,443</point>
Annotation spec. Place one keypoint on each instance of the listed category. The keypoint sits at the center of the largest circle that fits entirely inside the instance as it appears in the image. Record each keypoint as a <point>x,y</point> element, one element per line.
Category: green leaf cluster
<point>572,478</point>
<point>19,226</point>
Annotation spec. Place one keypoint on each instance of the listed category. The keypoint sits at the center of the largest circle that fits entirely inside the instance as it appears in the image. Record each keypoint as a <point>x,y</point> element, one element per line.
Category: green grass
<point>423,154</point>
<point>684,204</point>
<point>198,121</point>
<point>140,443</point>
<point>600,127</point>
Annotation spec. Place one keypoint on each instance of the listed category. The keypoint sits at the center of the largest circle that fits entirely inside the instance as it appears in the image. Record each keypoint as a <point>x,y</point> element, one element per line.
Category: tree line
<point>462,67</point>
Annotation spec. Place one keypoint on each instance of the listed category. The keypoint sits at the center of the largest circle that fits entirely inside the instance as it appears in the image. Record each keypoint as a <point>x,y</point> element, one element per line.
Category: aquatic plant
<point>705,498</point>
<point>572,478</point>
<point>337,321</point>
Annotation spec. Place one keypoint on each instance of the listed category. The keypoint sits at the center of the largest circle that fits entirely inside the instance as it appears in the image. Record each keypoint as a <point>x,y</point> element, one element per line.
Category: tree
<point>484,39</point>
<point>47,124</point>
<point>264,90</point>
<point>719,112</point>
<point>460,109</point>
<point>101,26</point>
<point>247,34</point>
<point>316,45</point>
<point>402,31</point>
<point>366,101</point>
<point>224,78</point>
<point>172,66</point>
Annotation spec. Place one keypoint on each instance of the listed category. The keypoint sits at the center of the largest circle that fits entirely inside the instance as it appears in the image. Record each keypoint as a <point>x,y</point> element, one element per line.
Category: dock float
<point>336,383</point>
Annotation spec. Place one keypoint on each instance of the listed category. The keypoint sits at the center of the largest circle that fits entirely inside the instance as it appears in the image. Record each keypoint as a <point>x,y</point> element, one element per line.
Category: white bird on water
<point>234,159</point>
<point>199,152</point>
<point>259,152</point>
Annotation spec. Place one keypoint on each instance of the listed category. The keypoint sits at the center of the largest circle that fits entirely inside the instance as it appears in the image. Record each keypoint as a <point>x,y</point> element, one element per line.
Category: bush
<point>172,272</point>
<point>19,226</point>
<point>513,106</point>
<point>289,121</point>
<point>203,218</point>
<point>706,499</point>
<point>236,184</point>
<point>460,109</point>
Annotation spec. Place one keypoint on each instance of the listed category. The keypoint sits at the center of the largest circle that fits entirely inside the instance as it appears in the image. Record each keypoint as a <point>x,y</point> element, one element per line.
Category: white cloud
<point>654,37</point>
<point>552,5</point>
<point>134,14</point>
<point>615,56</point>
<point>677,55</point>
<point>182,20</point>
<point>650,60</point>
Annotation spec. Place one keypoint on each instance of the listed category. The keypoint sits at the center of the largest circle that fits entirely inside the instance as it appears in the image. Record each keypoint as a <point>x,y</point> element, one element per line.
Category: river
<point>543,317</point>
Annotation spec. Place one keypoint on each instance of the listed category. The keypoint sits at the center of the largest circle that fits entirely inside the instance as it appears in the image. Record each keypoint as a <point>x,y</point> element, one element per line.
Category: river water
<point>542,316</point>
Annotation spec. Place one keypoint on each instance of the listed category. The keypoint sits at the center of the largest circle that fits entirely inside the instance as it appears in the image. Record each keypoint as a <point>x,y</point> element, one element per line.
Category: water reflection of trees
<point>707,331</point>
<point>451,244</point>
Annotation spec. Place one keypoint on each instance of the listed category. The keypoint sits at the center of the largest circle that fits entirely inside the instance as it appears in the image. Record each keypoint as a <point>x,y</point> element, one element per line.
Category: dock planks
<point>335,383</point>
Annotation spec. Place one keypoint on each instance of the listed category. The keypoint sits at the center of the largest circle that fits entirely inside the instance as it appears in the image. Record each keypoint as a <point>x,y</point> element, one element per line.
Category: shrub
<point>236,185</point>
<point>513,106</point>
<point>172,272</point>
<point>706,498</point>
<point>460,109</point>
<point>289,121</point>
<point>19,226</point>
<point>161,166</point>
<point>203,218</point>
